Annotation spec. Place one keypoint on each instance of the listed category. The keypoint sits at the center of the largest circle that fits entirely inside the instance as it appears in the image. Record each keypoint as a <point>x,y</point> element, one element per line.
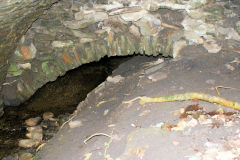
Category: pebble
<point>157,76</point>
<point>115,79</point>
<point>49,123</point>
<point>28,143</point>
<point>32,121</point>
<point>35,136</point>
<point>26,156</point>
<point>35,129</point>
<point>75,124</point>
<point>48,115</point>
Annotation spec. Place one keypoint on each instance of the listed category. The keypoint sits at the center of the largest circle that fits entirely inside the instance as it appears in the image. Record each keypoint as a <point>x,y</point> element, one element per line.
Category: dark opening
<point>59,97</point>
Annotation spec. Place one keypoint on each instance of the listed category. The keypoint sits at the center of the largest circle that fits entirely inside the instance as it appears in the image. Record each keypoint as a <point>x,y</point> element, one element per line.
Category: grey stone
<point>78,24</point>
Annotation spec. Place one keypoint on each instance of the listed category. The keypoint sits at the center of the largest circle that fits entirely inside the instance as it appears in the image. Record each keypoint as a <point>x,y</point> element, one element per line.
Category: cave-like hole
<point>59,97</point>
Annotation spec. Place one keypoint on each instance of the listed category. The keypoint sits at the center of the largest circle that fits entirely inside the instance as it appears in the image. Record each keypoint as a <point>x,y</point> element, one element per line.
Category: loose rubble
<point>38,133</point>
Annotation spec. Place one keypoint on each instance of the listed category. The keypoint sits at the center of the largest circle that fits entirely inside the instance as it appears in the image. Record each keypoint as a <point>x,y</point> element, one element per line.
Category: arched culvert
<point>68,35</point>
<point>59,97</point>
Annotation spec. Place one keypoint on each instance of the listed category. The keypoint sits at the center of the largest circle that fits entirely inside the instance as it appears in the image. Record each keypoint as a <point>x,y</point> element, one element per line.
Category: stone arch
<point>71,34</point>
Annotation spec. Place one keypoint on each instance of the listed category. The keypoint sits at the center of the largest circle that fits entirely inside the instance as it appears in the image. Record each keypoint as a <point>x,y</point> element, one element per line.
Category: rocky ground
<point>106,127</point>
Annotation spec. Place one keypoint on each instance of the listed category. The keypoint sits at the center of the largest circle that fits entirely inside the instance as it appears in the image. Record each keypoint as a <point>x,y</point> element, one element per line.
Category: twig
<point>39,147</point>
<point>190,96</point>
<point>96,134</point>
<point>218,93</point>
<point>130,101</point>
<point>107,156</point>
<point>73,116</point>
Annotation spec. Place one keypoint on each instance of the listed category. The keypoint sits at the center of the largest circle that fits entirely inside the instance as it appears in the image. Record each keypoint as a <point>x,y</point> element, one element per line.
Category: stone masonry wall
<point>76,32</point>
<point>16,16</point>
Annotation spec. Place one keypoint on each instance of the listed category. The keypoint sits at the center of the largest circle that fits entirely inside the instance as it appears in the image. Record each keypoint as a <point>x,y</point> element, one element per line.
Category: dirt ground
<point>105,127</point>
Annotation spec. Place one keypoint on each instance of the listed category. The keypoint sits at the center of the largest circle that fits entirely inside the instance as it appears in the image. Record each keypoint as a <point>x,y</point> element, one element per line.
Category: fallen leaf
<point>194,107</point>
<point>183,115</point>
<point>216,112</point>
<point>229,113</point>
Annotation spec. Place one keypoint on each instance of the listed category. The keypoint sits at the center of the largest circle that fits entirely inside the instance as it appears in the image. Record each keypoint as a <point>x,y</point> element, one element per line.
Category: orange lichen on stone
<point>77,57</point>
<point>110,38</point>
<point>154,30</point>
<point>25,52</point>
<point>66,59</point>
<point>112,51</point>
<point>90,59</point>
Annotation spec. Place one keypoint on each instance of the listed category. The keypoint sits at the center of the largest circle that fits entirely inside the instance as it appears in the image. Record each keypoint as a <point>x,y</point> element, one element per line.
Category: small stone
<point>100,16</point>
<point>115,79</point>
<point>135,31</point>
<point>25,66</point>
<point>197,26</point>
<point>48,115</point>
<point>79,15</point>
<point>109,7</point>
<point>20,87</point>
<point>238,27</point>
<point>35,129</point>
<point>133,16</point>
<point>32,121</point>
<point>25,52</point>
<point>33,50</point>
<point>61,44</point>
<point>116,12</point>
<point>25,156</point>
<point>101,31</point>
<point>177,47</point>
<point>230,67</point>
<point>35,136</point>
<point>196,14</point>
<point>192,123</point>
<point>28,143</point>
<point>79,24</point>
<point>230,33</point>
<point>75,124</point>
<point>81,34</point>
<point>52,122</point>
<point>157,76</point>
<point>86,40</point>
<point>193,37</point>
<point>212,47</point>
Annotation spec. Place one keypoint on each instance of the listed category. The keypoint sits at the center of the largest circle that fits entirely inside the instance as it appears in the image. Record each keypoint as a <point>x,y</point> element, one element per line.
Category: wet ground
<point>59,97</point>
<point>109,128</point>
